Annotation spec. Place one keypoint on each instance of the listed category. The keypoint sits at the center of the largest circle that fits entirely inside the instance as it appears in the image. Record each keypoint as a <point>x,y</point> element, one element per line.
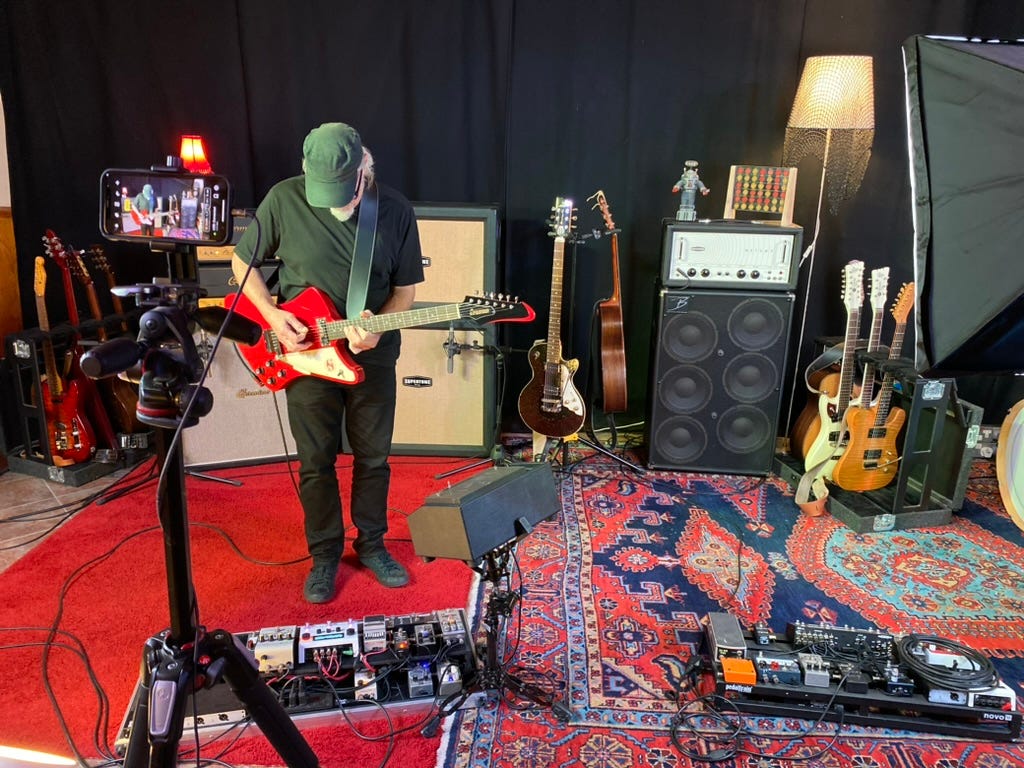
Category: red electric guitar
<point>69,433</point>
<point>328,357</point>
<point>87,388</point>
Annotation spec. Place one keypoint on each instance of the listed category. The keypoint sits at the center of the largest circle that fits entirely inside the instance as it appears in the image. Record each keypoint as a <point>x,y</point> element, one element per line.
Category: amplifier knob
<point>705,272</point>
<point>755,274</point>
<point>741,273</point>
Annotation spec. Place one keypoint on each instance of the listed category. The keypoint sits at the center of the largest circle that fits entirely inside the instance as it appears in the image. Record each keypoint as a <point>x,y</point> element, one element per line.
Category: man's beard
<point>343,214</point>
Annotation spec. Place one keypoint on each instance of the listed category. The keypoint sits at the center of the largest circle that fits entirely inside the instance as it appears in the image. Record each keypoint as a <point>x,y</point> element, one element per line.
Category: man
<point>309,223</point>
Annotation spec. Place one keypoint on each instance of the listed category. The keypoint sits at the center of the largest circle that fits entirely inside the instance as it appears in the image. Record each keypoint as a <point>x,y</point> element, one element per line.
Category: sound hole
<point>750,378</point>
<point>681,439</point>
<point>743,429</point>
<point>755,324</point>
<point>690,337</point>
<point>685,389</point>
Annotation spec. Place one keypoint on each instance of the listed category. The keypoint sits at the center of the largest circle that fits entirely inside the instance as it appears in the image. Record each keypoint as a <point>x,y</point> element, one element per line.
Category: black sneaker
<point>389,572</point>
<point>320,582</point>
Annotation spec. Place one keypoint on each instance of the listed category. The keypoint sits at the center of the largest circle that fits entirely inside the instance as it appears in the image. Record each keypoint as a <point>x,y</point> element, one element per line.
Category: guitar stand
<point>179,661</point>
<point>494,680</point>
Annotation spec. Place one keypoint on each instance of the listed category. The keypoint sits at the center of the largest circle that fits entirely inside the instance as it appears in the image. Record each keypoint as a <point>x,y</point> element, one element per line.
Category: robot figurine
<point>689,184</point>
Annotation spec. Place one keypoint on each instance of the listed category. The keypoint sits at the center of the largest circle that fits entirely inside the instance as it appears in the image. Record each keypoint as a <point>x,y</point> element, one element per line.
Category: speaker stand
<point>494,679</point>
<point>540,454</point>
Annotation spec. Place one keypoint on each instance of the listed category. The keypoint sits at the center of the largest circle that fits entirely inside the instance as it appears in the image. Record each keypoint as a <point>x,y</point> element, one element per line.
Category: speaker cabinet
<point>442,411</point>
<point>248,423</point>
<point>488,510</point>
<point>718,364</point>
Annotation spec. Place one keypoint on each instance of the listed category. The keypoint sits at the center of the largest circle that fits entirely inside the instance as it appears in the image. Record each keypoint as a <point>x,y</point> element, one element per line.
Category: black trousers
<point>316,411</point>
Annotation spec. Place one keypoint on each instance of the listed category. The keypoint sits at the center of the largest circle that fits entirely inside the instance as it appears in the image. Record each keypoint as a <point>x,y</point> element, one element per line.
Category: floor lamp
<point>833,117</point>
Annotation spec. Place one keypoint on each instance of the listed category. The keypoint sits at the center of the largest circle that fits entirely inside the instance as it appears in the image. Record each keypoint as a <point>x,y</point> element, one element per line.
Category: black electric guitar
<point>550,404</point>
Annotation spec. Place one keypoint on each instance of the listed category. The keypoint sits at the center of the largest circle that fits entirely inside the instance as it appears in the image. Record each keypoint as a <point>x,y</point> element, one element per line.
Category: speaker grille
<point>718,365</point>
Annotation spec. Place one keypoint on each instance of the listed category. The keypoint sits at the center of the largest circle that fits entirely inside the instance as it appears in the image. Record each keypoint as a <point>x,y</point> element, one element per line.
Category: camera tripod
<point>186,657</point>
<point>494,679</point>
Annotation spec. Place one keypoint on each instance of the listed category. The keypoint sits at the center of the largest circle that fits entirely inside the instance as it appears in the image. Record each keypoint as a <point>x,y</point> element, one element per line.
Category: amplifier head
<point>730,253</point>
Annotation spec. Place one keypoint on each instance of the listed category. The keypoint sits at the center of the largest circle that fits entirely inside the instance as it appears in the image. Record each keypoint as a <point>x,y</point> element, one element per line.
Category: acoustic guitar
<point>837,388</point>
<point>613,342</point>
<point>871,456</point>
<point>69,434</point>
<point>550,404</point>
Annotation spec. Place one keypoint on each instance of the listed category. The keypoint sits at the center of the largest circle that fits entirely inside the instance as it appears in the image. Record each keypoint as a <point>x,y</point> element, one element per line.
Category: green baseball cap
<point>333,153</point>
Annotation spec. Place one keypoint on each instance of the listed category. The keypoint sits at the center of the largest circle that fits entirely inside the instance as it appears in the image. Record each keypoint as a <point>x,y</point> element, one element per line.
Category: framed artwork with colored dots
<point>764,190</point>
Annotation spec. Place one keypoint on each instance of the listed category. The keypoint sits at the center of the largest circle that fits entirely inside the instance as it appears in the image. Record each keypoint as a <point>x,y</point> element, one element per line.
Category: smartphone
<point>165,206</point>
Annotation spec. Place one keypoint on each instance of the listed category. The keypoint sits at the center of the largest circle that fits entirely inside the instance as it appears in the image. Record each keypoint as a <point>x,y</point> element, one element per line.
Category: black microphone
<point>111,357</point>
<point>239,329</point>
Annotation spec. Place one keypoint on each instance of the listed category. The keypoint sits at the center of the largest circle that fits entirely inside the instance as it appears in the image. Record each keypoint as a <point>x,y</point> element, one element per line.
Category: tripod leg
<point>241,674</point>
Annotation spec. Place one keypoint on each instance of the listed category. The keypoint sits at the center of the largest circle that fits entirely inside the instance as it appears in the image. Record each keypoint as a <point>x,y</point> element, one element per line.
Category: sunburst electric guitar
<point>871,457</point>
<point>328,356</point>
<point>837,388</point>
<point>550,404</point>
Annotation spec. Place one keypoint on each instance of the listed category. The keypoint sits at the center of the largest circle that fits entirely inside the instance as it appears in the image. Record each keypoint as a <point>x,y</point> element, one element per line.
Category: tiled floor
<point>30,508</point>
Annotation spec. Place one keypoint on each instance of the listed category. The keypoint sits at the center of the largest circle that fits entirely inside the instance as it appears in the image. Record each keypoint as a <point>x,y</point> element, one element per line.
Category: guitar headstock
<point>39,278</point>
<point>606,214</point>
<point>99,259</point>
<point>904,303</point>
<point>77,266</point>
<point>879,288</point>
<point>853,285</point>
<point>55,248</point>
<point>496,308</point>
<point>562,217</point>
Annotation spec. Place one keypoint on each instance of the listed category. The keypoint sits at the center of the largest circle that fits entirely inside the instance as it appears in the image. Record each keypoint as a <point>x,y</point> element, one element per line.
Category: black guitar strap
<point>362,253</point>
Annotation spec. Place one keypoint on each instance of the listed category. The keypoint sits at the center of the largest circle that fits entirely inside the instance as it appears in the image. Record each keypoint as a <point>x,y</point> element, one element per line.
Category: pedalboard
<point>817,667</point>
<point>398,664</point>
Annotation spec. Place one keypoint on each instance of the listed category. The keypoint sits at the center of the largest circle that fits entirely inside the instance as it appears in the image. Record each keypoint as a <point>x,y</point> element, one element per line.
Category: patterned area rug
<point>614,593</point>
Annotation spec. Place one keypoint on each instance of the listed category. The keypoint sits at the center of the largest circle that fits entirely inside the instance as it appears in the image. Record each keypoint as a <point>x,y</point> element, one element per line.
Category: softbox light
<point>965,109</point>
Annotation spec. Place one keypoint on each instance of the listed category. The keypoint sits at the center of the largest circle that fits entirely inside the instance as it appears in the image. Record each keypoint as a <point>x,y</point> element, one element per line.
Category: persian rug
<point>614,592</point>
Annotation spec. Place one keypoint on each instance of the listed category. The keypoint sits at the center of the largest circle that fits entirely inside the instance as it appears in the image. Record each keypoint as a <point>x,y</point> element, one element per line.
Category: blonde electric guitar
<point>837,388</point>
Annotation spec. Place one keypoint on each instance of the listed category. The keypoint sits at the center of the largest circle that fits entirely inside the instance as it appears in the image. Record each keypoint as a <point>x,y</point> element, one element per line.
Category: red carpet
<point>114,606</point>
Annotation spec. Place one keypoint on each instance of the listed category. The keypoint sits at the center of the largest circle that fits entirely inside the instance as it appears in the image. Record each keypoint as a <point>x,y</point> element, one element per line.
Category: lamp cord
<point>808,253</point>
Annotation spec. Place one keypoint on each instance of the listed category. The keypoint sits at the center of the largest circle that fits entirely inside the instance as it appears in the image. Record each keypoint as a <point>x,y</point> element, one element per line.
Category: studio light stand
<point>179,661</point>
<point>494,679</point>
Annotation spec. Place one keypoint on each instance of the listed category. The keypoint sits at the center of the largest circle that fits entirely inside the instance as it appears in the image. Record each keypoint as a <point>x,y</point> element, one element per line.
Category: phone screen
<point>165,206</point>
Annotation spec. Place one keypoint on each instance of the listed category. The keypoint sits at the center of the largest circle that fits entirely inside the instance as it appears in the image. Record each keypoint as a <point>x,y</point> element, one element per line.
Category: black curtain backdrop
<point>481,101</point>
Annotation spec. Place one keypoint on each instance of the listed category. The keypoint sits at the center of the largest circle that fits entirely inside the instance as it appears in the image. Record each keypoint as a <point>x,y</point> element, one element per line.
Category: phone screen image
<point>164,206</point>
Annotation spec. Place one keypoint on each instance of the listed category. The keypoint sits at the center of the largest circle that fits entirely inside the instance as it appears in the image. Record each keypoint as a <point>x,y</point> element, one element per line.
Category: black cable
<point>981,675</point>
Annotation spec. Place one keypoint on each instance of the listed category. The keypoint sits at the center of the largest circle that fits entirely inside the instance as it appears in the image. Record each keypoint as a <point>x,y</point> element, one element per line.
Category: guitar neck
<point>392,321</point>
<point>867,385</point>
<point>849,354</point>
<point>885,393</point>
<point>554,344</point>
<point>49,358</point>
<point>616,285</point>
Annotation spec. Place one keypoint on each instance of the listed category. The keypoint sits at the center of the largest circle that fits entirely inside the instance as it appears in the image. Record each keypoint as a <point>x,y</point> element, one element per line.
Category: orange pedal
<point>739,671</point>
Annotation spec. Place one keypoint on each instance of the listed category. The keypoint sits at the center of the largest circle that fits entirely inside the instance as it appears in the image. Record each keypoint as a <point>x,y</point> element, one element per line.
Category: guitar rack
<point>934,457</point>
<point>26,445</point>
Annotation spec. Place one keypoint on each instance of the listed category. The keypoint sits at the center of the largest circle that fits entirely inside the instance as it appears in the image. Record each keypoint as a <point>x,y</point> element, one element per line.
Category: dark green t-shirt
<point>315,249</point>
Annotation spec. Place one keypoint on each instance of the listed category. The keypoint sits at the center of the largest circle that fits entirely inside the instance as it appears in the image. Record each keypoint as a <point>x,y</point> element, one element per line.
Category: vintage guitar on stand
<point>871,458</point>
<point>614,398</point>
<point>837,388</point>
<point>328,356</point>
<point>87,388</point>
<point>120,395</point>
<point>550,405</point>
<point>101,264</point>
<point>69,434</point>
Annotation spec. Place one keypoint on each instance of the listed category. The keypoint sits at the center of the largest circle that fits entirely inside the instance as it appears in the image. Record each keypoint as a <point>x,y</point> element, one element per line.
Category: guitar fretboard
<point>554,345</point>
<point>885,393</point>
<point>329,331</point>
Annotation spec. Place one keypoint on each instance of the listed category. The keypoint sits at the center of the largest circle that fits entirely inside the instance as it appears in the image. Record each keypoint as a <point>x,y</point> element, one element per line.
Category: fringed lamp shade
<point>833,118</point>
